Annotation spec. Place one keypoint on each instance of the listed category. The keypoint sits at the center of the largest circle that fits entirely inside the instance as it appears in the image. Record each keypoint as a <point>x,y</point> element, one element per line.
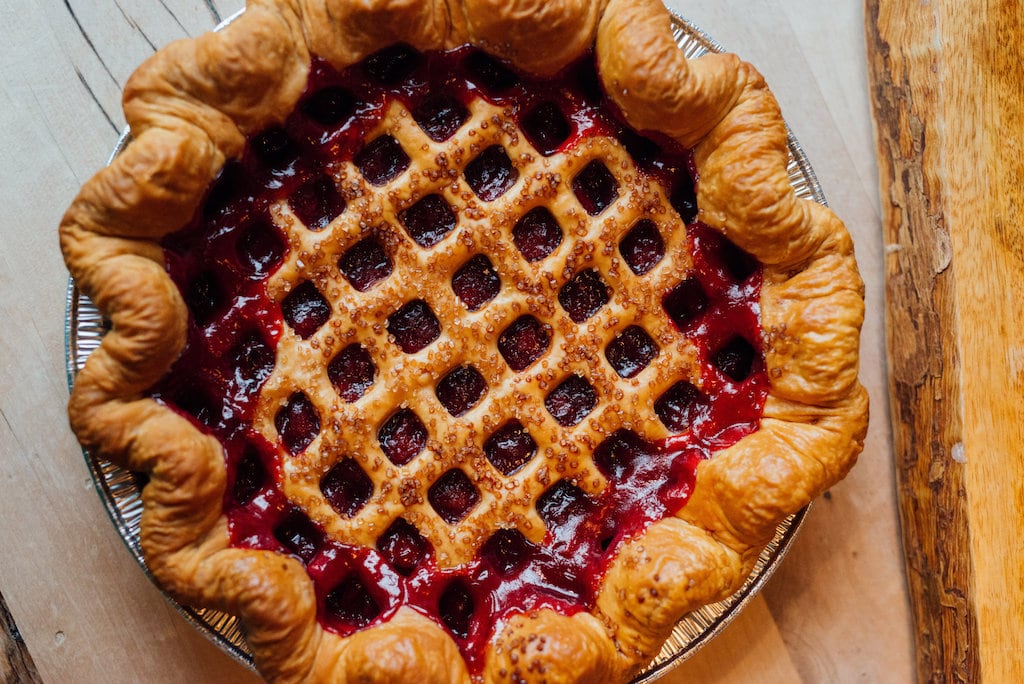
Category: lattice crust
<point>470,338</point>
<point>190,108</point>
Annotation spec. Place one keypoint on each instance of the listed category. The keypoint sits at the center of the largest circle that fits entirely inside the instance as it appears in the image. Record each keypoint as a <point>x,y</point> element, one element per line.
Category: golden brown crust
<point>370,25</point>
<point>539,36</point>
<point>407,648</point>
<point>539,646</point>
<point>190,108</point>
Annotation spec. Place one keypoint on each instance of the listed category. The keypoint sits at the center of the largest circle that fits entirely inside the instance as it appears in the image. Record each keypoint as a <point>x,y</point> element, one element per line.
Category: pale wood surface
<point>947,90</point>
<point>837,609</point>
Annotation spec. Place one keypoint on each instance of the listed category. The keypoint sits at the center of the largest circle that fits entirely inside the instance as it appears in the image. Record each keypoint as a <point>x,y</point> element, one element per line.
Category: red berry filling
<point>491,174</point>
<point>250,476</point>
<point>402,437</point>
<point>329,106</point>
<point>429,220</point>
<point>253,361</point>
<point>476,283</point>
<point>735,358</point>
<point>537,234</point>
<point>297,422</point>
<point>221,263</point>
<point>275,149</point>
<point>440,117</point>
<point>584,295</point>
<point>351,372</point>
<point>461,390</point>
<point>403,547</point>
<point>365,264</point>
<point>305,310</point>
<point>506,551</point>
<point>685,302</point>
<point>453,496</point>
<point>489,73</point>
<point>351,604</point>
<point>317,202</point>
<point>299,536</point>
<point>260,249</point>
<point>546,128</point>
<point>524,341</point>
<point>642,247</point>
<point>510,448</point>
<point>204,298</point>
<point>392,64</point>
<point>631,351</point>
<point>346,487</point>
<point>414,326</point>
<point>681,407</point>
<point>595,187</point>
<point>456,608</point>
<point>382,160</point>
<point>571,401</point>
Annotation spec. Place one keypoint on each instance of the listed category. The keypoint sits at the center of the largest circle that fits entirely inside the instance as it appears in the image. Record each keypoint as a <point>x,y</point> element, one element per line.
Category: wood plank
<point>946,91</point>
<point>16,664</point>
<point>749,651</point>
<point>983,100</point>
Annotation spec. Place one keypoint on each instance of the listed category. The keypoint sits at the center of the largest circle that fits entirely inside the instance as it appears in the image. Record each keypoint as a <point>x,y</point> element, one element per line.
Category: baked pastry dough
<point>359,279</point>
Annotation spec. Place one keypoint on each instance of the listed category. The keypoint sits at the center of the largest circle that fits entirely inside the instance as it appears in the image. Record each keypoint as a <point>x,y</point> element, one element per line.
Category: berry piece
<point>456,608</point>
<point>414,326</point>
<point>429,220</point>
<point>642,247</point>
<point>735,358</point>
<point>305,309</point>
<point>403,546</point>
<point>595,187</point>
<point>584,295</point>
<point>299,535</point>
<point>351,603</point>
<point>476,283</point>
<point>402,437</point>
<point>317,202</point>
<point>546,128</point>
<point>685,302</point>
<point>381,160</point>
<point>571,401</point>
<point>440,117</point>
<point>523,342</point>
<point>297,422</point>
<point>631,351</point>
<point>453,496</point>
<point>537,234</point>
<point>491,174</point>
<point>365,264</point>
<point>347,487</point>
<point>682,406</point>
<point>461,390</point>
<point>510,447</point>
<point>351,372</point>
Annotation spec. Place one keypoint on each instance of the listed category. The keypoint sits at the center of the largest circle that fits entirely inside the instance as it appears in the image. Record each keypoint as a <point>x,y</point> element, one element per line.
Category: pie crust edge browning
<point>190,108</point>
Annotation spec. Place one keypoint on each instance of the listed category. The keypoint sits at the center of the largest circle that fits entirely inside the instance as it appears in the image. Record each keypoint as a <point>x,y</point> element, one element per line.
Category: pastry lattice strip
<point>469,338</point>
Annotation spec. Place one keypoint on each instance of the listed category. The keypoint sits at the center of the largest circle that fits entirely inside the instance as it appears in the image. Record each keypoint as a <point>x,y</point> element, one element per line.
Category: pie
<point>461,341</point>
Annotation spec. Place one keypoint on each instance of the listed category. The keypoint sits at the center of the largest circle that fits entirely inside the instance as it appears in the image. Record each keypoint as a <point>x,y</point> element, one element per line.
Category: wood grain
<point>15,662</point>
<point>946,91</point>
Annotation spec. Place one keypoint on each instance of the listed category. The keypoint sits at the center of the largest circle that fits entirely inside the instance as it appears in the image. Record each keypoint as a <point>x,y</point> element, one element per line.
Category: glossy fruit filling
<point>222,260</point>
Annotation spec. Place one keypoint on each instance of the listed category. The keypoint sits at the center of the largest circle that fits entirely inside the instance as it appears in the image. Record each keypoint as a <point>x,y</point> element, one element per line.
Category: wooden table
<point>837,610</point>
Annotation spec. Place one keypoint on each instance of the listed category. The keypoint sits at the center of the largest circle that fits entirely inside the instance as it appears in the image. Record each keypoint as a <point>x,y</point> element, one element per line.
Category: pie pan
<point>120,493</point>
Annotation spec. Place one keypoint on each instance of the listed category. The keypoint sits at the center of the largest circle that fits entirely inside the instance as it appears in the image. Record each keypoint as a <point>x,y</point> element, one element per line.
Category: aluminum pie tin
<point>119,491</point>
